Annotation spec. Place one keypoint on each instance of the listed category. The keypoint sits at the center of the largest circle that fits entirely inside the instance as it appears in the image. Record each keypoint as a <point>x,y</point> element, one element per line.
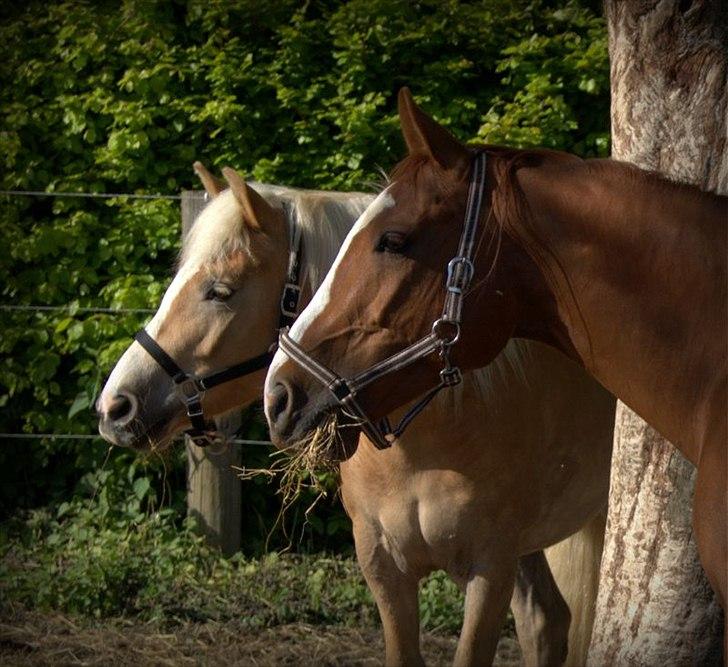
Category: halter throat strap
<point>444,334</point>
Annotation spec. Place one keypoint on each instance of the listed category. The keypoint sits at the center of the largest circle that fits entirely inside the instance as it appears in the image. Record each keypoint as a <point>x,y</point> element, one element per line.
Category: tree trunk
<point>669,65</point>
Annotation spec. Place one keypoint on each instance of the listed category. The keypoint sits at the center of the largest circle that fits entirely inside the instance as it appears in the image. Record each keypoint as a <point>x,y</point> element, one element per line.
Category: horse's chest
<point>424,532</point>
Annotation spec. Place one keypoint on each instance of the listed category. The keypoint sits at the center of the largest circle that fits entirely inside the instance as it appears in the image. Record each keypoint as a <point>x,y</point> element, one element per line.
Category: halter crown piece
<point>444,334</point>
<point>191,388</point>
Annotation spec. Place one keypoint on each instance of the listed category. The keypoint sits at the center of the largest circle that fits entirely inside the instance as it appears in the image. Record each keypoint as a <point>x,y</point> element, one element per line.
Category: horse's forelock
<point>324,219</point>
<point>218,230</point>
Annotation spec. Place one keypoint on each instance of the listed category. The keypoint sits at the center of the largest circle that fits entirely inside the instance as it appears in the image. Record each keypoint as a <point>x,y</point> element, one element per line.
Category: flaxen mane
<point>323,217</point>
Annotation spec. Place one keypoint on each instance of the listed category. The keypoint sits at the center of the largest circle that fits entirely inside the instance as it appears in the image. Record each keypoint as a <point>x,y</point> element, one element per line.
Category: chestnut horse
<point>514,460</point>
<point>619,269</point>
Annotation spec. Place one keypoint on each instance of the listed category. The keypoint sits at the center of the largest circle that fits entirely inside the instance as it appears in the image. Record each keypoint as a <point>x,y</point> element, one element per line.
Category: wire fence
<point>92,195</point>
<point>203,196</point>
<point>74,309</point>
<point>89,436</point>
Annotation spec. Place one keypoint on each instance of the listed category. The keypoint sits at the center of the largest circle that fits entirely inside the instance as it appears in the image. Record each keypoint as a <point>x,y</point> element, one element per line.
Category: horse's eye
<point>219,292</point>
<point>392,242</point>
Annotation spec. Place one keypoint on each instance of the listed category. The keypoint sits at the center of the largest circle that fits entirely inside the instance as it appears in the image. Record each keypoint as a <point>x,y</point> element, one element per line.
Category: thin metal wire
<point>87,436</point>
<point>50,436</point>
<point>239,441</point>
<point>44,309</point>
<point>90,195</point>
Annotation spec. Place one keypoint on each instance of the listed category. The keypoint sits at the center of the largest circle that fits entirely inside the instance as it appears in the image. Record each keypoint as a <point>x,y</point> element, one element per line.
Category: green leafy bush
<point>116,556</point>
<point>122,97</point>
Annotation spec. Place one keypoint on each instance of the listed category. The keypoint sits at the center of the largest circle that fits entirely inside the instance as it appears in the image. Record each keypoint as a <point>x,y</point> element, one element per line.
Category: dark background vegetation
<point>123,97</point>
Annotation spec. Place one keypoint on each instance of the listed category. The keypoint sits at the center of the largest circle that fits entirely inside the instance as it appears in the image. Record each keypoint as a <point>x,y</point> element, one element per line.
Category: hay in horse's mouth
<point>298,466</point>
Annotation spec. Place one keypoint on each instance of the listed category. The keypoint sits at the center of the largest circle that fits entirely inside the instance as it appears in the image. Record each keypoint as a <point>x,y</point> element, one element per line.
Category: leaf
<point>141,487</point>
<point>75,331</point>
<point>81,402</point>
<point>63,324</point>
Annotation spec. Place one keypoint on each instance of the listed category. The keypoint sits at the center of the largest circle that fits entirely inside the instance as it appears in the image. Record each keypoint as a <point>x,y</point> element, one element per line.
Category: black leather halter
<point>191,388</point>
<point>444,334</point>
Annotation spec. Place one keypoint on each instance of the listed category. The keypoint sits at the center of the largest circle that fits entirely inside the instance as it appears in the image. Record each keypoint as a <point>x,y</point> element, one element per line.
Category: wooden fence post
<point>214,492</point>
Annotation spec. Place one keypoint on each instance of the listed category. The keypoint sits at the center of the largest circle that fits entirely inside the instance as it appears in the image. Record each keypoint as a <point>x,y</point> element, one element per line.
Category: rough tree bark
<point>669,68</point>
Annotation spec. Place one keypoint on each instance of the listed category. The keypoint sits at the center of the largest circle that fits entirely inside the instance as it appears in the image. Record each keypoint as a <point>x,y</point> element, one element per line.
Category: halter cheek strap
<point>444,334</point>
<point>190,387</point>
<point>292,289</point>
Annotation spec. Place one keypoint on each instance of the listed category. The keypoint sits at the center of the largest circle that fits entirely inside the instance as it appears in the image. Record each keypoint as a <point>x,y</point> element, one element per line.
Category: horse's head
<point>387,288</point>
<point>221,308</point>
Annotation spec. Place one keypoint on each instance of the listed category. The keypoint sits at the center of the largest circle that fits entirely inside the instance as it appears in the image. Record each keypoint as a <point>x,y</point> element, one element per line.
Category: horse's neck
<point>637,269</point>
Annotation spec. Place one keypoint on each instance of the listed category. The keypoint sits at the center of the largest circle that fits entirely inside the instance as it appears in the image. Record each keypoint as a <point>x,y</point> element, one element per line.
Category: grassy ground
<point>83,585</point>
<point>33,638</point>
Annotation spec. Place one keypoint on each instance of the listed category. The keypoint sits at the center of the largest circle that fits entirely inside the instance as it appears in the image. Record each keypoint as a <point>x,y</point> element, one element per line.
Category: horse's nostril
<point>279,400</point>
<point>120,408</point>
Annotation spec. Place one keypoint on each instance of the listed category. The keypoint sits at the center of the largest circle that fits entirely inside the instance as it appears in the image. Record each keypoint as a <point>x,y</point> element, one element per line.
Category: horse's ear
<point>424,136</point>
<point>257,210</point>
<point>213,186</point>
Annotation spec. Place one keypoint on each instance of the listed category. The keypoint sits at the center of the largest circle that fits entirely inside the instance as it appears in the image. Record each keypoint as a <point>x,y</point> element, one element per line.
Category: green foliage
<point>555,87</point>
<point>116,556</point>
<point>122,97</point>
<point>441,604</point>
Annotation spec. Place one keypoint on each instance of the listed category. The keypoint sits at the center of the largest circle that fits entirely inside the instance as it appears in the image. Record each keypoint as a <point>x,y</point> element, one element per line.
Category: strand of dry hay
<point>298,468</point>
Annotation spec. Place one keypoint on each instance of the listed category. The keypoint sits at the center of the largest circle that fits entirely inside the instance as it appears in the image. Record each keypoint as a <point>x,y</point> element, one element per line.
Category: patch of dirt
<point>32,638</point>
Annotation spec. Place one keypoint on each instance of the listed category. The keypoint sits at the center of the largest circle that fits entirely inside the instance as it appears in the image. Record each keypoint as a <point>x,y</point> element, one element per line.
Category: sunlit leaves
<point>122,97</point>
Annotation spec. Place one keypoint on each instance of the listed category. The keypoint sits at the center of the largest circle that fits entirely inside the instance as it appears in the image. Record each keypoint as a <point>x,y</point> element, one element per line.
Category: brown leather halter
<point>444,334</point>
<point>191,388</point>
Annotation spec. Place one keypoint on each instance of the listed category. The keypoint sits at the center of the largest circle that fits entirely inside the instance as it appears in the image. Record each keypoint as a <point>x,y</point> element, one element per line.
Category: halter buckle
<point>289,300</point>
<point>194,409</point>
<point>437,330</point>
<point>341,390</point>
<point>459,279</point>
<point>189,390</point>
<point>451,376</point>
<point>207,438</point>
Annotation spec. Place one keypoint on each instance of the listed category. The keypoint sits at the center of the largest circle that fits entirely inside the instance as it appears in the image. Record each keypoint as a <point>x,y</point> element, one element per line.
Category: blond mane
<point>323,217</point>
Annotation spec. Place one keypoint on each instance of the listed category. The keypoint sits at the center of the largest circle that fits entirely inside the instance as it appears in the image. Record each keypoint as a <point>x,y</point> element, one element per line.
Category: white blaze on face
<point>136,359</point>
<point>184,275</point>
<point>322,296</point>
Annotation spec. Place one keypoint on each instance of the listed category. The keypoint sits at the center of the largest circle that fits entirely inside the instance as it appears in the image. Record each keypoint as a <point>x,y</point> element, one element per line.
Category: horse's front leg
<point>395,593</point>
<point>541,614</point>
<point>487,593</point>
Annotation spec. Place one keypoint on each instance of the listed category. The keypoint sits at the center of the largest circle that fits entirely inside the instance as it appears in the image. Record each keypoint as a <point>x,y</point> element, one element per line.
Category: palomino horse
<point>513,460</point>
<point>619,269</point>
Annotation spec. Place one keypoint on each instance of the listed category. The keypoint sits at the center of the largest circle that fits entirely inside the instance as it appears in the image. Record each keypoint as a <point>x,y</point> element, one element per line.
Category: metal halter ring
<point>211,438</point>
<point>437,326</point>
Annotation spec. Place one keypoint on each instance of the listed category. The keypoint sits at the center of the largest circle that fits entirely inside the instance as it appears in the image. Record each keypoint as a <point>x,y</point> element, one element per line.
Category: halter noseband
<point>444,334</point>
<point>191,387</point>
